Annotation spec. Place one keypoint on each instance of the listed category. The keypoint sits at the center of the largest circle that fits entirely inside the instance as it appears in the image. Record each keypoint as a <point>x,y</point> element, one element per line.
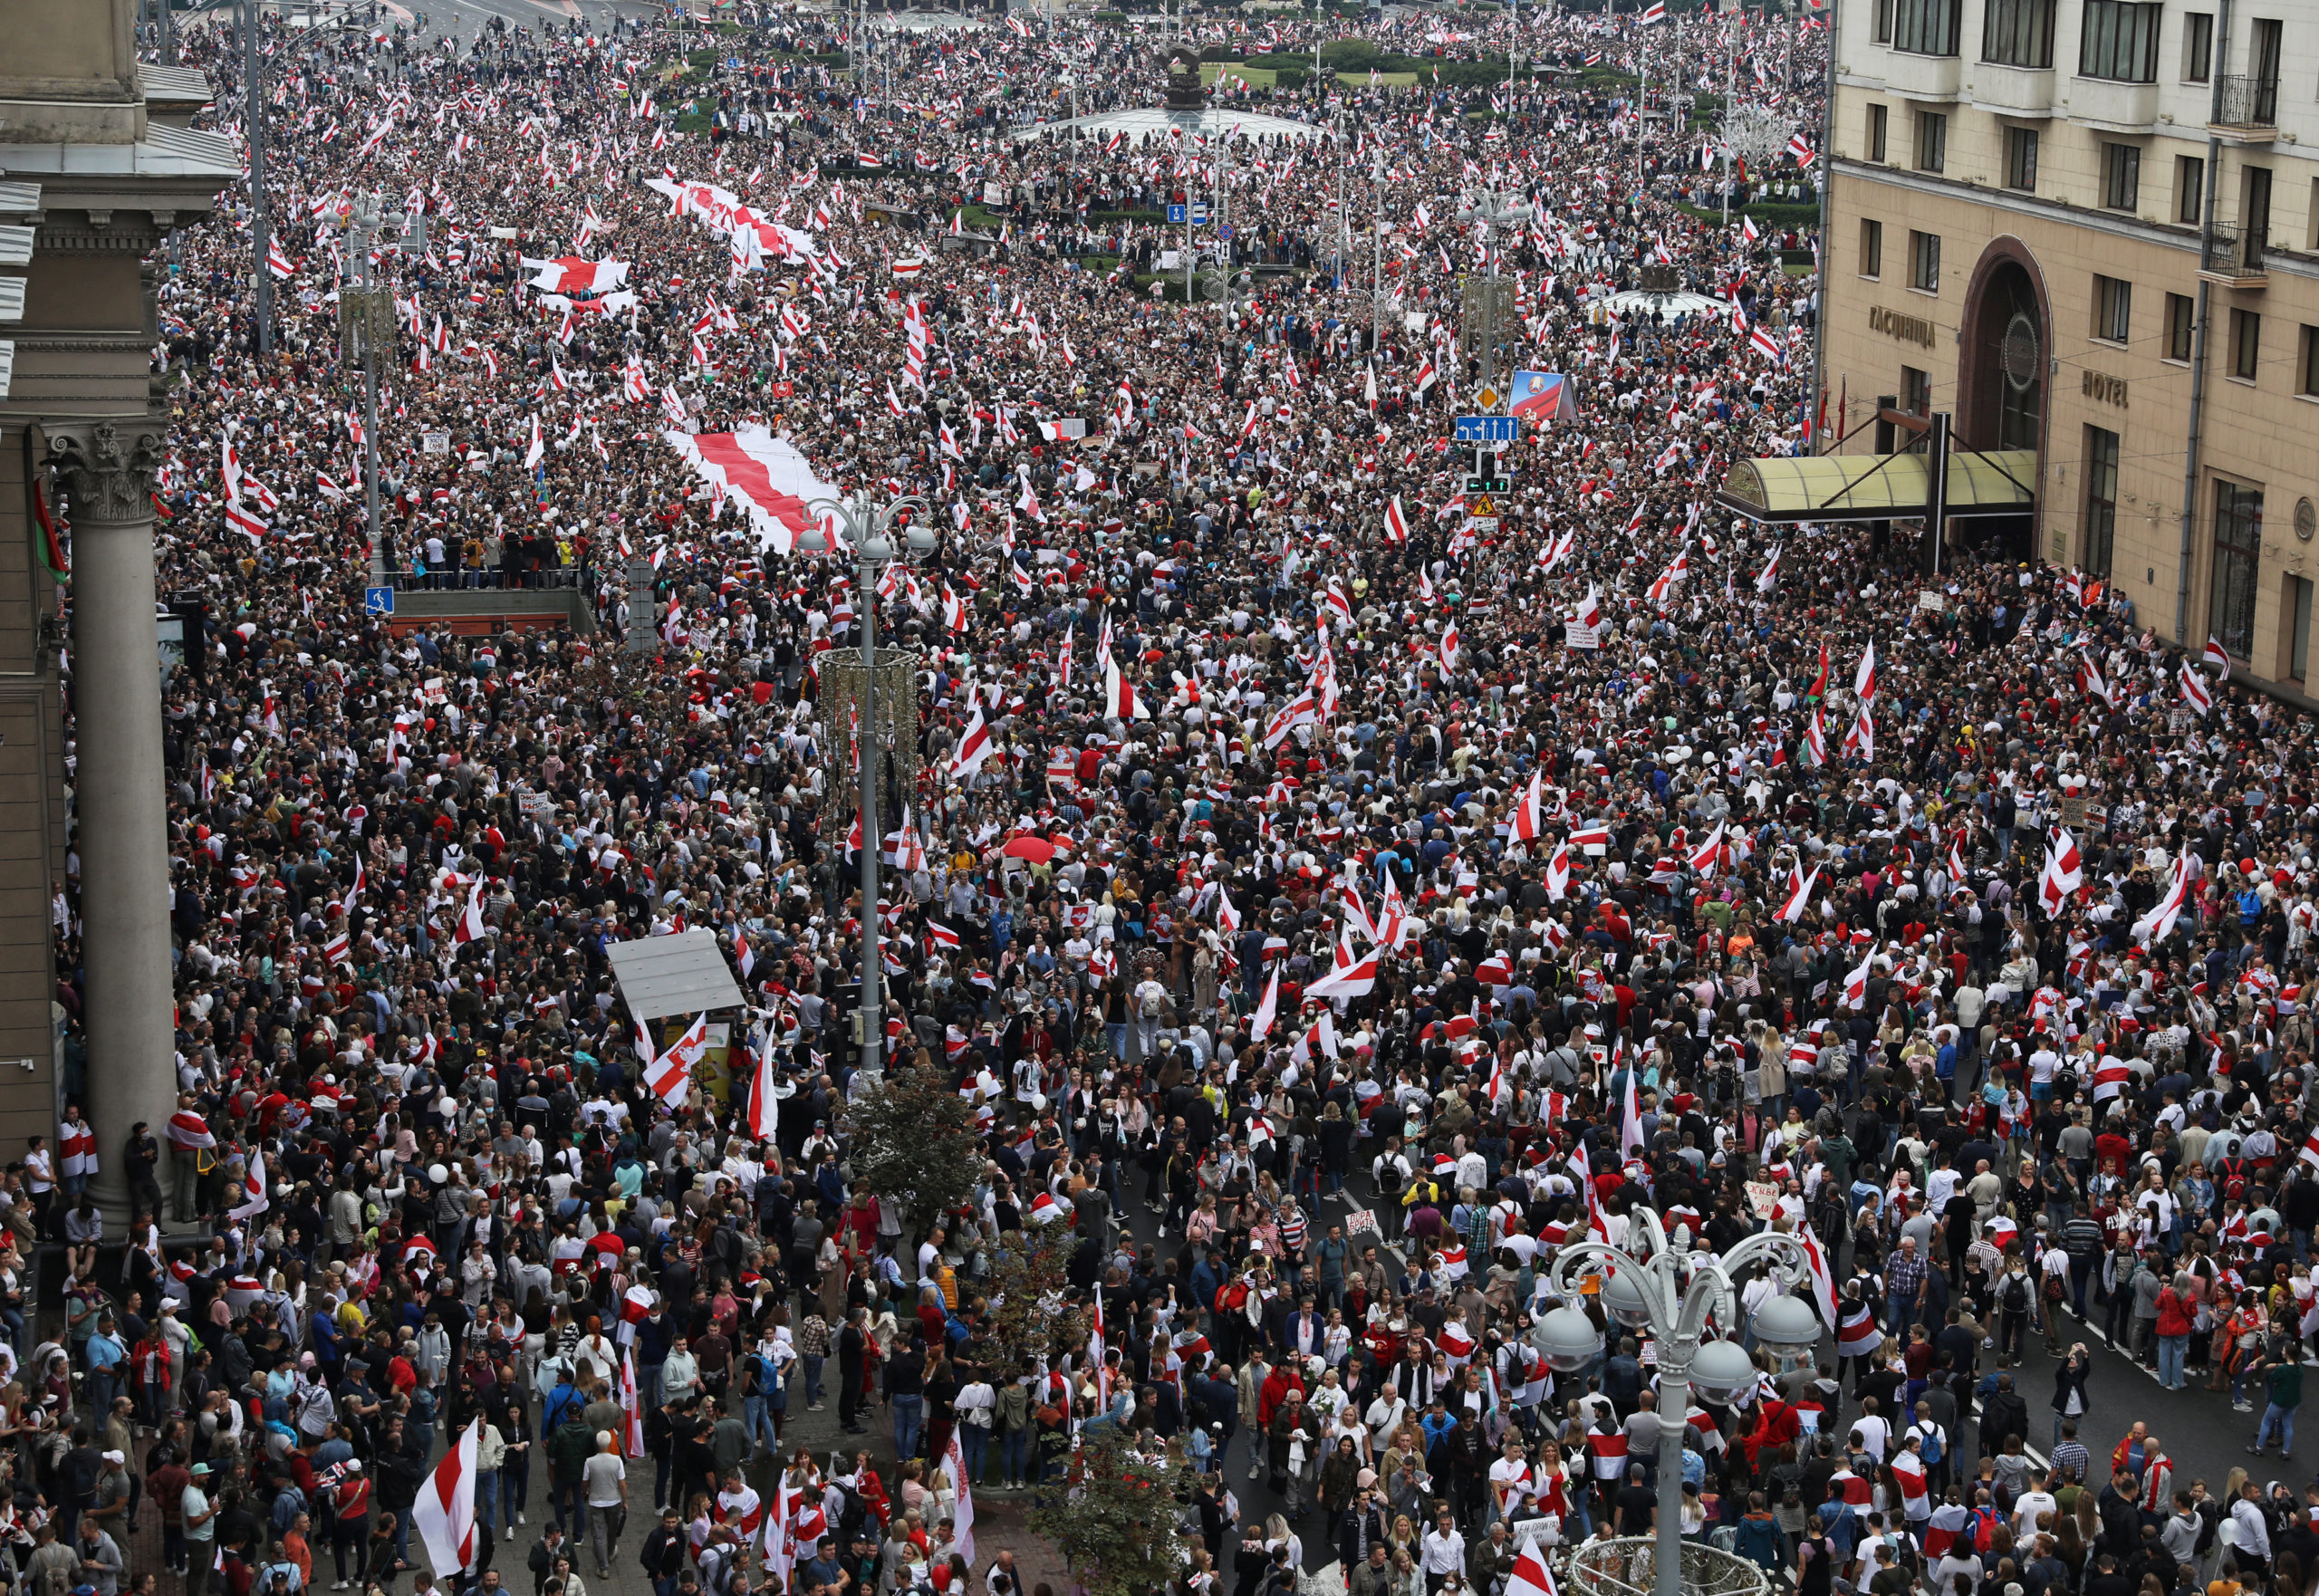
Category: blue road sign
<point>1199,216</point>
<point>1225,232</point>
<point>378,601</point>
<point>1176,215</point>
<point>1487,429</point>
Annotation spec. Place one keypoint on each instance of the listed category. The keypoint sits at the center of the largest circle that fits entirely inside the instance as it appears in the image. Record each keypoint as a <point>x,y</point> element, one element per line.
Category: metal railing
<point>2246,102</point>
<point>2232,250</point>
<point>451,579</point>
<point>1626,1567</point>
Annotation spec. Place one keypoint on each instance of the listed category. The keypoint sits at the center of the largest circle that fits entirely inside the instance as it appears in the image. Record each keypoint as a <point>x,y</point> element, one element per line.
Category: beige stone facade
<point>2020,245</point>
<point>90,185</point>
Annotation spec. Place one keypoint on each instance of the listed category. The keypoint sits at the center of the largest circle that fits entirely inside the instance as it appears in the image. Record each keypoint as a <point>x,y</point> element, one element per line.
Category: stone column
<point>106,470</point>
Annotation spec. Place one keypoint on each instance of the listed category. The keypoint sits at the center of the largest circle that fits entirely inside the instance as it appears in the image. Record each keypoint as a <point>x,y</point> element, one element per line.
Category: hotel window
<point>1916,392</point>
<point>1871,248</point>
<point>2018,32</point>
<point>1883,22</point>
<point>2298,599</point>
<point>2181,311</point>
<point>1880,120</point>
<point>2198,46</point>
<point>2119,39</point>
<point>2245,344</point>
<point>2021,158</point>
<point>2101,498</point>
<point>2120,175</point>
<point>2190,187</point>
<point>2113,308</point>
<point>2308,370</point>
<point>1924,262</point>
<point>1932,141</point>
<point>1927,27</point>
<point>2237,558</point>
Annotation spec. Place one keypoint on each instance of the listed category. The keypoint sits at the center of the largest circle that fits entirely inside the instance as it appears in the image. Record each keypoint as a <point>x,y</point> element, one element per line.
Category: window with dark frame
<point>1927,27</point>
<point>2181,316</point>
<point>2245,344</point>
<point>1932,141</point>
<point>2308,368</point>
<point>2237,564</point>
<point>2021,159</point>
<point>2198,46</point>
<point>1924,262</point>
<point>2101,499</point>
<point>2118,39</point>
<point>1872,247</point>
<point>2189,189</point>
<point>1880,121</point>
<point>1883,22</point>
<point>1916,392</point>
<point>2018,32</point>
<point>2120,177</point>
<point>2112,309</point>
<point>2298,599</point>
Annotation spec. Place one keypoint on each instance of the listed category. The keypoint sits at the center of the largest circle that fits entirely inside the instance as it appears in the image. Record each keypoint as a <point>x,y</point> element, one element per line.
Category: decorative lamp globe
<point>1722,1372</point>
<point>1786,1327</point>
<point>1569,1341</point>
<point>1624,1299</point>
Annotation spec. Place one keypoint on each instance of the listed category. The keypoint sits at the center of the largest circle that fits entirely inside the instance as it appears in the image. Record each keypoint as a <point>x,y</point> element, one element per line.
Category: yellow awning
<point>1877,487</point>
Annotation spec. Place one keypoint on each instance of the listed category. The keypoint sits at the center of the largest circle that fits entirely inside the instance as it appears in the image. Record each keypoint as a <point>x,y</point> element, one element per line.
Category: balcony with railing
<point>2247,109</point>
<point>2234,257</point>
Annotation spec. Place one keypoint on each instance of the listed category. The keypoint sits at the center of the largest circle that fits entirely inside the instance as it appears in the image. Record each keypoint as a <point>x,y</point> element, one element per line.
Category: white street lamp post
<point>1669,1292</point>
<point>865,525</point>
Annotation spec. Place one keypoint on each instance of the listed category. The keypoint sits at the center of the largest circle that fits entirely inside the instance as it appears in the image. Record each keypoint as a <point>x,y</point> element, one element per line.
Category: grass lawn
<point>1254,77</point>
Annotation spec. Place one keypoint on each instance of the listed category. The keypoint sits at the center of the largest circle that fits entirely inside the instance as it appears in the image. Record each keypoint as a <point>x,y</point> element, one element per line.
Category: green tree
<point>1118,1522</point>
<point>1022,1299</point>
<point>910,1135</point>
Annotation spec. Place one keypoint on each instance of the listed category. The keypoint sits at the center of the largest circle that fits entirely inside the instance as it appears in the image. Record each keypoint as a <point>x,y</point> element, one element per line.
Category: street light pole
<point>1670,1295</point>
<point>1377,242</point>
<point>866,526</point>
<point>262,301</point>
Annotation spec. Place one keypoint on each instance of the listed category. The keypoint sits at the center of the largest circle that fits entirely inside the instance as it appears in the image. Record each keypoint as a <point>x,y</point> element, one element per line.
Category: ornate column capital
<point>108,467</point>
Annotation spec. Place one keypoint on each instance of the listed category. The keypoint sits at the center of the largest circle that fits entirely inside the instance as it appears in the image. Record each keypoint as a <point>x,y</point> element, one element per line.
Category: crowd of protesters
<point>1970,938</point>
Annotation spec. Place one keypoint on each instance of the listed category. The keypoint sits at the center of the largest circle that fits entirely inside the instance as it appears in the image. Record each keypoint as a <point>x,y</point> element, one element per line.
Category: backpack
<point>1928,1444</point>
<point>2017,1294</point>
<point>1984,1523</point>
<point>288,1504</point>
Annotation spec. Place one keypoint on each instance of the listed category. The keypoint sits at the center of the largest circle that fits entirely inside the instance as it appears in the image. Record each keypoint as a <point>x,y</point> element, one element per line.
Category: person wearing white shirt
<point>1874,1434</point>
<point>2026,1509</point>
<point>1444,1551</point>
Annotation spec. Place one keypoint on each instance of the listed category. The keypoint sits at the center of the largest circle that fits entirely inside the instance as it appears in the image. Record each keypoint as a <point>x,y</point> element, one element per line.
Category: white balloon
<point>437,1174</point>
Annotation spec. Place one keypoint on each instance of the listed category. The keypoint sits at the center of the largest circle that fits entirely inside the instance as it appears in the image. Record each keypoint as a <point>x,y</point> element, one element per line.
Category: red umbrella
<point>1037,850</point>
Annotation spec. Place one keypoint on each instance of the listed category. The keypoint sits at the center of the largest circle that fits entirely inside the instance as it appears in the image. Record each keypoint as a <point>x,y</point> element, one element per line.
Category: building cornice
<point>2055,212</point>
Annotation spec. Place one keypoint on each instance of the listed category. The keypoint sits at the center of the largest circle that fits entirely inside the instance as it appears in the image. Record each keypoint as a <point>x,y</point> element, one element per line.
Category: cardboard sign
<point>1763,1198</point>
<point>1361,1221</point>
<point>435,443</point>
<point>1580,637</point>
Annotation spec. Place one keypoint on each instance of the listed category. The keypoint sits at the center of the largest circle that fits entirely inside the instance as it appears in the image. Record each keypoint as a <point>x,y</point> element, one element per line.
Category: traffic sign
<point>1488,485</point>
<point>1199,214</point>
<point>1480,508</point>
<point>1488,428</point>
<point>1176,215</point>
<point>1225,232</point>
<point>378,601</point>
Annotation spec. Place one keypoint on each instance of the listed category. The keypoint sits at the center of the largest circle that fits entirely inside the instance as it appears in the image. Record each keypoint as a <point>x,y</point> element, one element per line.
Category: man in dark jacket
<point>1360,1527</point>
<point>2003,1414</point>
<point>2120,1519</point>
<point>663,1557</point>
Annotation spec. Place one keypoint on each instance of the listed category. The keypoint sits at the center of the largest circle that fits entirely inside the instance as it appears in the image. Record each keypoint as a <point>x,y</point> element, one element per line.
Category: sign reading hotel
<point>1899,324</point>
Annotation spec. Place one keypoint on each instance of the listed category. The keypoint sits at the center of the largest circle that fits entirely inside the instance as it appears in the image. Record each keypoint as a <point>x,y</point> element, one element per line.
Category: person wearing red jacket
<point>2176,1312</point>
<point>1284,1378</point>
